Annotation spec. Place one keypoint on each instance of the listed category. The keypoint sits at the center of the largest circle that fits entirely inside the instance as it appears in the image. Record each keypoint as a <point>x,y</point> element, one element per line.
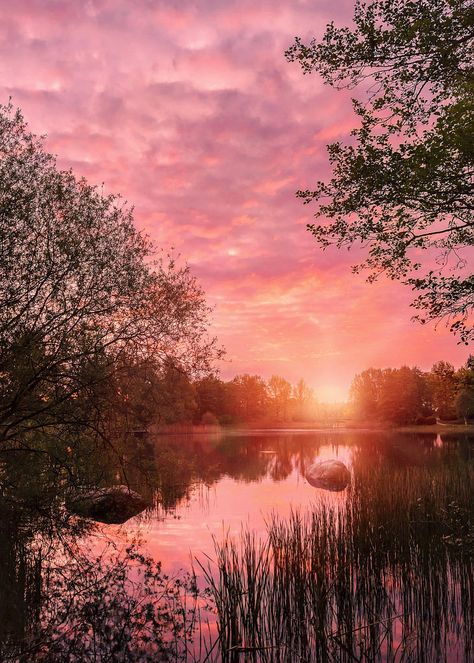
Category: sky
<point>192,113</point>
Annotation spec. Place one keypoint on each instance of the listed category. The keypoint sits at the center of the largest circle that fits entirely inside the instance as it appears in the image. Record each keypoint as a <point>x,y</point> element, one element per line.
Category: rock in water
<point>328,474</point>
<point>114,504</point>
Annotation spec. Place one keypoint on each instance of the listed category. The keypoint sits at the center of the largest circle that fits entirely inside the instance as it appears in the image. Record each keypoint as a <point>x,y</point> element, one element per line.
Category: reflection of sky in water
<point>226,507</point>
<point>405,570</point>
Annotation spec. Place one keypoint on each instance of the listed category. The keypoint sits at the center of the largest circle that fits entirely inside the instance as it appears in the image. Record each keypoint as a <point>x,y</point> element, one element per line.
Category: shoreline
<point>302,427</point>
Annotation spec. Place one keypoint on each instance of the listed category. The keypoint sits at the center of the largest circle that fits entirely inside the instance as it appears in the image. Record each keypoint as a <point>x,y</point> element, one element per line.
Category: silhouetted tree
<point>279,391</point>
<point>211,397</point>
<point>248,397</point>
<point>80,293</point>
<point>444,387</point>
<point>366,393</point>
<point>305,404</point>
<point>465,397</point>
<point>405,395</point>
<point>397,395</point>
<point>404,182</point>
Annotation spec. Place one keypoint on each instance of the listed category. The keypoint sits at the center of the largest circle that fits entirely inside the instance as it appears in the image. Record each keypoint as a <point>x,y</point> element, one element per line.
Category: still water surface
<point>234,482</point>
<point>403,529</point>
<point>210,485</point>
<point>393,551</point>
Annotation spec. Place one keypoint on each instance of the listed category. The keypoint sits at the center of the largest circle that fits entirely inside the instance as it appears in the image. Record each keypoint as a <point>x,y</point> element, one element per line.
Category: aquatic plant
<point>383,578</point>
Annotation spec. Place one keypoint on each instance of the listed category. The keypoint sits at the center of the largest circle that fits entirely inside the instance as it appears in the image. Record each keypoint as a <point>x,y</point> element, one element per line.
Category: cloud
<point>192,113</point>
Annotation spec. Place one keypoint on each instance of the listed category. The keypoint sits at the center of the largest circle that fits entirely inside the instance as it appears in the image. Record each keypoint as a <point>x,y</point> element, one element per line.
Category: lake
<point>379,571</point>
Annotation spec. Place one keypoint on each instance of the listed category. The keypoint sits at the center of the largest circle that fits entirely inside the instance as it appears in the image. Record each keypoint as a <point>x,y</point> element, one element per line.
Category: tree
<point>465,404</point>
<point>403,184</point>
<point>304,401</point>
<point>444,387</point>
<point>248,397</point>
<point>150,393</point>
<point>82,293</point>
<point>280,394</point>
<point>465,398</point>
<point>211,397</point>
<point>366,393</point>
<point>405,395</point>
<point>399,395</point>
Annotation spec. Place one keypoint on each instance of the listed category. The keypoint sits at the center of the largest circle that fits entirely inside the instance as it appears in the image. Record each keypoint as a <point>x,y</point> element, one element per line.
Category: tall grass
<point>385,578</point>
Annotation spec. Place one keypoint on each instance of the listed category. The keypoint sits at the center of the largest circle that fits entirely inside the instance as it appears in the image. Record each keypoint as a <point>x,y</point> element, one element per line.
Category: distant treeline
<point>408,395</point>
<point>394,395</point>
<point>152,398</point>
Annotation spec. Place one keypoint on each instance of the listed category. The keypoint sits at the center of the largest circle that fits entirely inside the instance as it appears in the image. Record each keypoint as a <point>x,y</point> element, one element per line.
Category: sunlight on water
<point>230,504</point>
<point>380,568</point>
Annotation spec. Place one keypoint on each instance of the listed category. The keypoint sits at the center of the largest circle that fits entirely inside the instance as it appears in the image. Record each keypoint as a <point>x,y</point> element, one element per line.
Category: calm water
<point>230,483</point>
<point>209,485</point>
<point>401,533</point>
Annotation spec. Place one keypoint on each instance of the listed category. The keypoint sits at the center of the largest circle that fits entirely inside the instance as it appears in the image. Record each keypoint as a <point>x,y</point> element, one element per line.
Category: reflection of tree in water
<point>30,524</point>
<point>178,463</point>
<point>385,578</point>
<point>181,462</point>
<point>389,568</point>
<point>83,606</point>
<point>68,595</point>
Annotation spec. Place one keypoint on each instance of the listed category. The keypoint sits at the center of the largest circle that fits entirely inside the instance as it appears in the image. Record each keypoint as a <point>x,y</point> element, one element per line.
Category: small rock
<point>328,474</point>
<point>114,504</point>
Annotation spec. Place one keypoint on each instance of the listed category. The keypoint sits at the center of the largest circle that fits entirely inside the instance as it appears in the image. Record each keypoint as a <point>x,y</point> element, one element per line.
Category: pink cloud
<point>193,114</point>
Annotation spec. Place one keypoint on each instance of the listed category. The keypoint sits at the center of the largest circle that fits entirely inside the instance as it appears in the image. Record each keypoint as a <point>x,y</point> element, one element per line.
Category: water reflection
<point>386,573</point>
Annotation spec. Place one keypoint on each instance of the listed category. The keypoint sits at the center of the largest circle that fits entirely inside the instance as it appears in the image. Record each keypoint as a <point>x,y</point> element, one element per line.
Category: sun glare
<point>332,393</point>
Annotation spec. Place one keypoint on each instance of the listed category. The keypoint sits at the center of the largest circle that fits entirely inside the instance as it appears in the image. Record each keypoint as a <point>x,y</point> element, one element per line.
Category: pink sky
<point>190,110</point>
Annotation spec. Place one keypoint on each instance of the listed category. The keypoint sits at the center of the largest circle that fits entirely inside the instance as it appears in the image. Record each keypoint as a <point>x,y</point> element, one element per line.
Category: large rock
<point>328,474</point>
<point>114,504</point>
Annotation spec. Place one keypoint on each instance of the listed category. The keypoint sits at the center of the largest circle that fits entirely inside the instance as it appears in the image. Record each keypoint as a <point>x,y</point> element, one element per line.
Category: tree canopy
<point>402,185</point>
<point>83,293</point>
<point>408,395</point>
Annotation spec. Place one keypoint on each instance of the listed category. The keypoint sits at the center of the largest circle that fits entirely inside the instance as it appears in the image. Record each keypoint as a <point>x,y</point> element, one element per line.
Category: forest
<point>400,396</point>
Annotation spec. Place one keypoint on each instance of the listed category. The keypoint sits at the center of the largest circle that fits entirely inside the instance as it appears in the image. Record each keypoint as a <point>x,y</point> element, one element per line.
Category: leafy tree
<point>211,396</point>
<point>248,397</point>
<point>177,396</point>
<point>366,393</point>
<point>304,401</point>
<point>444,387</point>
<point>403,184</point>
<point>405,395</point>
<point>465,403</point>
<point>150,393</point>
<point>81,293</point>
<point>465,398</point>
<point>399,395</point>
<point>302,393</point>
<point>280,394</point>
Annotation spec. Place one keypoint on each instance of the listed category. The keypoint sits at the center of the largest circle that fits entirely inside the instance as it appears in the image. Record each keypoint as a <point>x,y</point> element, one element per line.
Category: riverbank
<point>190,429</point>
<point>437,428</point>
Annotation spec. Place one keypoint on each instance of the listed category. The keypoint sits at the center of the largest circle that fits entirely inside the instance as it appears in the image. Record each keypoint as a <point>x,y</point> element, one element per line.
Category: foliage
<point>465,397</point>
<point>211,396</point>
<point>280,392</point>
<point>444,386</point>
<point>114,606</point>
<point>403,183</point>
<point>406,395</point>
<point>249,398</point>
<point>81,293</point>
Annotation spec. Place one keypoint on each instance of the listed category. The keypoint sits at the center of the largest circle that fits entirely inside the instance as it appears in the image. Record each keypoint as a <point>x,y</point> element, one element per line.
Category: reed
<point>386,577</point>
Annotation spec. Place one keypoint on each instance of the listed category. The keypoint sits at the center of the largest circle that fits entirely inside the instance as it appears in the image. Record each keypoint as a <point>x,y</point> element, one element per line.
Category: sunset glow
<point>191,112</point>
